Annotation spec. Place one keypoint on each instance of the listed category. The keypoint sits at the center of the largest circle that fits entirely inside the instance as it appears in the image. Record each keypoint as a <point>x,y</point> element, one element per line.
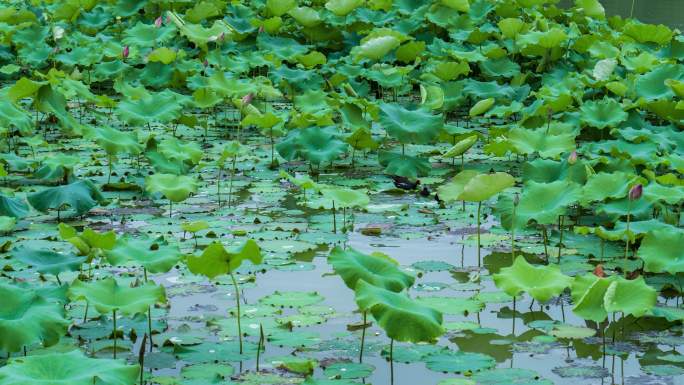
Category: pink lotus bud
<point>635,192</point>
<point>572,158</point>
<point>598,271</point>
<point>158,22</point>
<point>247,99</point>
<point>205,62</point>
<point>261,29</point>
<point>125,52</point>
<point>167,19</point>
<point>222,36</point>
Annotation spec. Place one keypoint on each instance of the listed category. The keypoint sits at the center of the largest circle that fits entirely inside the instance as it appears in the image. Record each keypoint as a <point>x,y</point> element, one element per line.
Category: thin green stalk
<point>114,330</point>
<point>237,301</point>
<point>560,242</point>
<point>629,214</point>
<point>391,359</point>
<point>149,326</point>
<point>230,182</point>
<point>334,218</point>
<point>262,340</point>
<point>363,337</point>
<point>479,206</point>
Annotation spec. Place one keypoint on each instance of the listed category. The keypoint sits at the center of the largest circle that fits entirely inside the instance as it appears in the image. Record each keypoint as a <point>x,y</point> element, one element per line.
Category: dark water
<point>668,12</point>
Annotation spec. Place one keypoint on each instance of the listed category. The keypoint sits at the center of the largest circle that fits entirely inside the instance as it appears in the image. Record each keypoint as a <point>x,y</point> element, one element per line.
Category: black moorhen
<point>425,192</point>
<point>404,183</point>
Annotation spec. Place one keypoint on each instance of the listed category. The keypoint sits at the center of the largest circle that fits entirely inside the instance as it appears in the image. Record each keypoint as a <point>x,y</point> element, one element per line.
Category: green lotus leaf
<point>80,196</point>
<point>540,282</point>
<point>280,7</point>
<point>174,149</point>
<point>677,86</point>
<point>147,35</point>
<point>154,255</point>
<point>603,113</point>
<point>175,188</point>
<point>115,142</point>
<point>410,167</point>
<point>459,5</point>
<point>198,33</point>
<point>12,115</point>
<point>306,16</point>
<point>507,376</point>
<point>461,147</point>
<point>88,239</point>
<point>376,269</point>
<point>401,318</point>
<point>345,197</point>
<point>13,207</point>
<point>471,186</point>
<point>661,251</point>
<point>605,185</point>
<point>343,7</point>
<point>314,144</point>
<point>376,48</point>
<point>588,292</point>
<point>72,368</point>
<point>431,96</point>
<point>452,305</point>
<point>217,260</point>
<point>544,202</point>
<point>645,33</point>
<point>510,27</point>
<point>106,295</point>
<point>652,86</point>
<point>28,317</point>
<point>459,362</point>
<point>407,126</point>
<point>655,192</point>
<point>481,107</point>
<point>631,297</point>
<point>591,8</point>
<point>546,144</point>
<point>161,107</point>
<point>46,261</point>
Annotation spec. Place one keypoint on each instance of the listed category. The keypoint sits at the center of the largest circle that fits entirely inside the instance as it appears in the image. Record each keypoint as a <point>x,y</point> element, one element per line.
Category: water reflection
<point>668,12</point>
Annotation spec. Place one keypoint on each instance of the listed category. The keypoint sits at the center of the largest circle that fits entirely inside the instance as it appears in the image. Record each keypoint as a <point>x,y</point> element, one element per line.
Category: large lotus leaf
<point>198,33</point>
<point>656,192</point>
<point>280,7</point>
<point>410,167</point>
<point>603,113</point>
<point>481,107</point>
<point>631,297</point>
<point>605,185</point>
<point>175,149</point>
<point>72,368</point>
<point>459,362</point>
<point>14,116</point>
<point>376,269</point>
<point>217,260</point>
<point>376,48</point>
<point>161,107</point>
<point>80,196</point>
<point>147,35</point>
<point>401,318</point>
<point>546,170</point>
<point>114,141</point>
<point>471,186</point>
<point>46,261</point>
<point>106,295</point>
<point>541,282</point>
<point>652,86</point>
<point>156,256</point>
<point>306,16</point>
<point>544,202</point>
<point>345,197</point>
<point>451,191</point>
<point>508,376</point>
<point>644,33</point>
<point>343,7</point>
<point>461,147</point>
<point>13,207</point>
<point>662,251</point>
<point>540,141</point>
<point>175,188</point>
<point>316,145</point>
<point>588,292</point>
<point>407,126</point>
<point>27,317</point>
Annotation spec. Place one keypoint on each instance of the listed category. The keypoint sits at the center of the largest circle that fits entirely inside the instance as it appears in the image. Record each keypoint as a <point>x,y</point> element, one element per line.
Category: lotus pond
<point>450,192</point>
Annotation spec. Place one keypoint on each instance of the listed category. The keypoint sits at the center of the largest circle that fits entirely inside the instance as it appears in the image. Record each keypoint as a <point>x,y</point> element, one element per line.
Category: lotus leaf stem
<point>237,301</point>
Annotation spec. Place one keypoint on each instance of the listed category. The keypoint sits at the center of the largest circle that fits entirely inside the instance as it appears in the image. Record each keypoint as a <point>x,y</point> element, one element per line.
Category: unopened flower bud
<point>572,158</point>
<point>636,191</point>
